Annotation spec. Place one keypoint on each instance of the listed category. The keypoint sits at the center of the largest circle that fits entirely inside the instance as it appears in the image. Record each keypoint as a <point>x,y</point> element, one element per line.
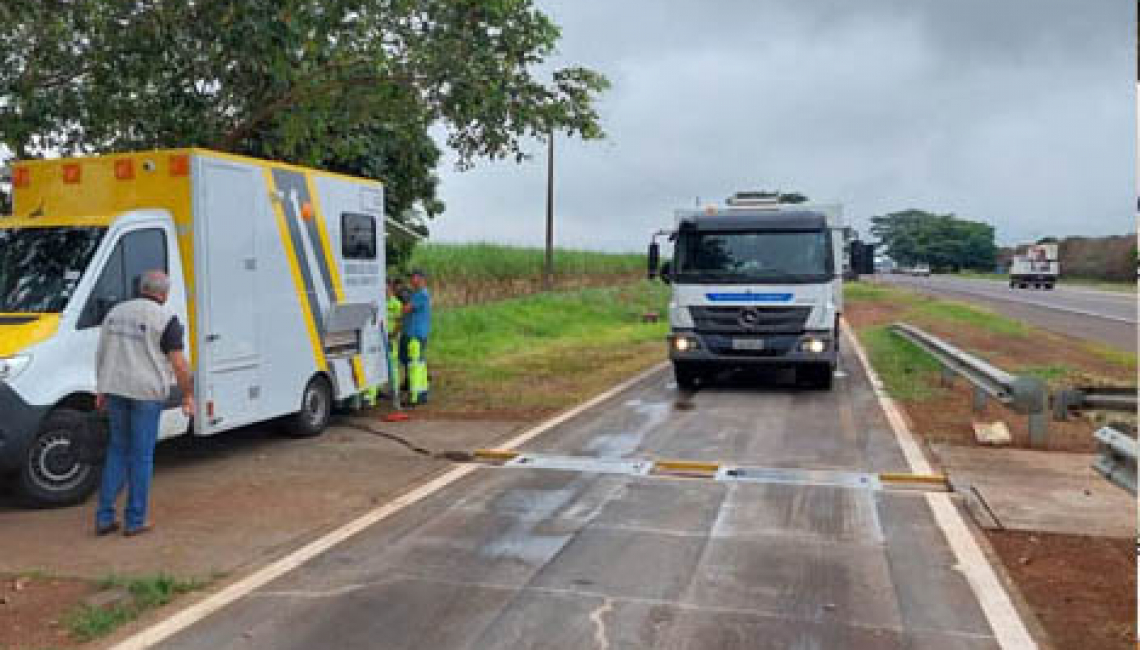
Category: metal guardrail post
<point>1023,394</point>
<point>1116,457</point>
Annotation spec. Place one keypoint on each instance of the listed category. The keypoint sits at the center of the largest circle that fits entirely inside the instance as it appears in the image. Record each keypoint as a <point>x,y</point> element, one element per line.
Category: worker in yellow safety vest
<point>395,309</point>
<point>414,331</point>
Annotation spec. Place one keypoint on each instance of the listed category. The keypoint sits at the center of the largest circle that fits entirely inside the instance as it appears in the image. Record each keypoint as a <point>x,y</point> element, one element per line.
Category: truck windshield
<point>754,257</point>
<point>39,267</point>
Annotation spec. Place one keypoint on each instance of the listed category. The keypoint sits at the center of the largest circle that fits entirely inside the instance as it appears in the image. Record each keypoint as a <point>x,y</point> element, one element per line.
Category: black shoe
<point>107,529</point>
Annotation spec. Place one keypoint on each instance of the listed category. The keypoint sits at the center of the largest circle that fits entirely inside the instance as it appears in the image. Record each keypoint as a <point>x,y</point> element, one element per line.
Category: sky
<point>1018,113</point>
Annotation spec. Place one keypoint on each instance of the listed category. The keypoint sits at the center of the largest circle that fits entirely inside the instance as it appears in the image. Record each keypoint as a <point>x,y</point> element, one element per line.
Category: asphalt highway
<point>802,556</point>
<point>1102,316</point>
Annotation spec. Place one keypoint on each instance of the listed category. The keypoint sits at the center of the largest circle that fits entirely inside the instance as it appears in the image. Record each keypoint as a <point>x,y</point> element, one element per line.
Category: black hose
<point>453,456</point>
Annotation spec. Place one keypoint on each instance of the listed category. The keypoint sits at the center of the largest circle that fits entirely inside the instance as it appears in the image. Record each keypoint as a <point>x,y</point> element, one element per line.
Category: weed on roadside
<point>88,622</point>
<point>907,372</point>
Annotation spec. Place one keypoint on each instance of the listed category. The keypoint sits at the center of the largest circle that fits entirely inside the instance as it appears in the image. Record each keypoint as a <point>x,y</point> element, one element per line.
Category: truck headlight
<point>685,343</point>
<point>814,346</point>
<point>12,366</point>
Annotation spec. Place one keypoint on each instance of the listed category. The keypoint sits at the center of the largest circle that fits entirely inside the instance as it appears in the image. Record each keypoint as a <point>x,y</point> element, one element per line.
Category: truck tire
<point>316,410</point>
<point>686,375</point>
<point>54,472</point>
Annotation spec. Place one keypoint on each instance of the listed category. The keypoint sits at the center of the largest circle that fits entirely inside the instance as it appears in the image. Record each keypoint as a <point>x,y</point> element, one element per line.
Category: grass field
<point>467,274</point>
<point>543,352</point>
<point>500,262</point>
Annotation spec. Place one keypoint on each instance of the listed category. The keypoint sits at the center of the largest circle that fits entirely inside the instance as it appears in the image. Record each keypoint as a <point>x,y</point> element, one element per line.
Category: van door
<point>228,282</point>
<point>146,248</point>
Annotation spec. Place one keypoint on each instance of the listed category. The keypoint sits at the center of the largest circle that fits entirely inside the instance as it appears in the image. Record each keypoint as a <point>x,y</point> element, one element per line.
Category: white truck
<point>1037,268</point>
<point>755,282</point>
<point>277,271</point>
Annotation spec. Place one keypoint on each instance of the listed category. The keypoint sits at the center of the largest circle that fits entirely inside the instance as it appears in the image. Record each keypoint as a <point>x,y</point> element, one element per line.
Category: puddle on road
<point>621,445</point>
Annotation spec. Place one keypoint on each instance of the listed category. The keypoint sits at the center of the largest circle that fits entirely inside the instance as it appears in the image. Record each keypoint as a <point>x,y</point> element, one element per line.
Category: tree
<point>351,85</point>
<point>941,240</point>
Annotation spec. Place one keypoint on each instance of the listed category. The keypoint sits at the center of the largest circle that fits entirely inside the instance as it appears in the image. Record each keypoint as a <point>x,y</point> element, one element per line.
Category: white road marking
<point>1008,628</point>
<point>167,628</point>
<point>913,453</point>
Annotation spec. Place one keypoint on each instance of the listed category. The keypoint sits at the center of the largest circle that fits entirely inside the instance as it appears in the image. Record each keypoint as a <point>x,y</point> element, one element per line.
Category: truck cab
<point>756,283</point>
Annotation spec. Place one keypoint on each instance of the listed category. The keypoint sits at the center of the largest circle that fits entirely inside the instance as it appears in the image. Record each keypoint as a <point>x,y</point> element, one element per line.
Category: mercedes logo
<point>749,317</point>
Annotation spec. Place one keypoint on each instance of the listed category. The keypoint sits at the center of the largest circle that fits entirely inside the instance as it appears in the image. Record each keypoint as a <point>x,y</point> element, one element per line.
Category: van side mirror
<point>666,273</point>
<point>654,259</point>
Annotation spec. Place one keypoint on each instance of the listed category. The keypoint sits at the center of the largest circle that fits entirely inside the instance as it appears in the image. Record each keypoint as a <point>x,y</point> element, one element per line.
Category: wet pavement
<point>550,558</point>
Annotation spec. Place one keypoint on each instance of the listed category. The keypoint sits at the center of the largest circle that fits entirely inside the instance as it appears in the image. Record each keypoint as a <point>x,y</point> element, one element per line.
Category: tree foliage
<point>941,240</point>
<point>350,85</point>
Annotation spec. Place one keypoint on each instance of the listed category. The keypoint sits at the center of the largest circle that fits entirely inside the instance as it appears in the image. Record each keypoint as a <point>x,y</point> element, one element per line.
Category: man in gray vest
<point>140,356</point>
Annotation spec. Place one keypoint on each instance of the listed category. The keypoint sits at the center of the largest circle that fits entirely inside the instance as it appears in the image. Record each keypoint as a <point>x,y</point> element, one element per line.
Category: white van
<point>277,271</point>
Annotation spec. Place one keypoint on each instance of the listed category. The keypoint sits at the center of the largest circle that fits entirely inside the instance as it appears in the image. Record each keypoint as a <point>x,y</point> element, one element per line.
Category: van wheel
<point>54,472</point>
<point>316,410</point>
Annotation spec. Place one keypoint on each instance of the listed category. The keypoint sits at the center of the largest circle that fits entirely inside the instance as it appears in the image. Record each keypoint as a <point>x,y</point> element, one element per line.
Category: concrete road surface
<point>519,558</point>
<point>1102,316</point>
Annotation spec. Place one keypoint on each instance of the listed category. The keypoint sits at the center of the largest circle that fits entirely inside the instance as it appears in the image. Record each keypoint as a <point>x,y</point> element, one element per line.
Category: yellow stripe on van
<point>333,267</point>
<point>25,330</point>
<point>295,271</point>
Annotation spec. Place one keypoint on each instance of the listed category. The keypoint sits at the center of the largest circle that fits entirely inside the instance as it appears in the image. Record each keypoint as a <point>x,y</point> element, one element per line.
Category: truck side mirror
<point>666,272</point>
<point>654,259</point>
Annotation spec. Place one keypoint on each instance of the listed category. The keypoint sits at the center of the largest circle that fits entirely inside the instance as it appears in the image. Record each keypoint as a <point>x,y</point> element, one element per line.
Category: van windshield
<point>778,257</point>
<point>40,267</point>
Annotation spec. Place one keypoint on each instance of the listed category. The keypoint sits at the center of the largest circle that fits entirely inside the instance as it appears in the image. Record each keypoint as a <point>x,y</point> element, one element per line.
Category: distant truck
<point>1037,268</point>
<point>755,283</point>
<point>277,271</point>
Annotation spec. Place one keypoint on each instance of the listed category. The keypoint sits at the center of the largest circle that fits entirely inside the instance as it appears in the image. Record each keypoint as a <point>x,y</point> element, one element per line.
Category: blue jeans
<point>130,459</point>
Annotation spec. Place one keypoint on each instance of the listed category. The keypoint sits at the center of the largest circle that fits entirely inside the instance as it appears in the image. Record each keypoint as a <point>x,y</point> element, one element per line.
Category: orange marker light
<point>180,165</point>
<point>22,177</point>
<point>71,173</point>
<point>307,210</point>
<point>124,169</point>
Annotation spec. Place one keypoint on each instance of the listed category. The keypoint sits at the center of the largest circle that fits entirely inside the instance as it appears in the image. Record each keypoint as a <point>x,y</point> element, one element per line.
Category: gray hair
<point>154,283</point>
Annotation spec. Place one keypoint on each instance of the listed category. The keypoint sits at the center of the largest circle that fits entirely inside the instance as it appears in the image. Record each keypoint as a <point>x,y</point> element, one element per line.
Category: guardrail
<point>1067,400</point>
<point>1022,394</point>
<point>1116,457</point>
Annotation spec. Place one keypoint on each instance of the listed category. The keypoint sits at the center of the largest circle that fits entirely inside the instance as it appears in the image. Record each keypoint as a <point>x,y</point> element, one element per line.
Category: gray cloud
<point>1019,113</point>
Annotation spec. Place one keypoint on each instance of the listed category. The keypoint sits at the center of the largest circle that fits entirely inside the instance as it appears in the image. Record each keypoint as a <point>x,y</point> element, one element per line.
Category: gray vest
<point>130,362</point>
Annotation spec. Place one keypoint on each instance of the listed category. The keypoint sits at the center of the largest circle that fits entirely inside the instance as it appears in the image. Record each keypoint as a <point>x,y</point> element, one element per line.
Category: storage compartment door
<point>228,280</point>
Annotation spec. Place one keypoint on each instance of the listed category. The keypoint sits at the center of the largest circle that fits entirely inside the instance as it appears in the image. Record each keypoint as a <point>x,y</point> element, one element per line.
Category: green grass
<point>979,317</point>
<point>1113,355</point>
<point>460,262</point>
<point>144,593</point>
<point>520,352</point>
<point>908,373</point>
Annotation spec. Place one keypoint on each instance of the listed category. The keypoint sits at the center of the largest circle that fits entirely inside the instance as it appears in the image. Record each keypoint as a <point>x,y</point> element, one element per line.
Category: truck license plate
<point>747,344</point>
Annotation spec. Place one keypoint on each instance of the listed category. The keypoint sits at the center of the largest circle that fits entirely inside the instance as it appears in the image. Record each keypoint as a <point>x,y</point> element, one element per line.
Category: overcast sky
<point>1020,113</point>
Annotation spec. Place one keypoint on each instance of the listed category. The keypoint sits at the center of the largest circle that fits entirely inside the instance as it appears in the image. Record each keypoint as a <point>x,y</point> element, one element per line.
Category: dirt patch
<point>948,419</point>
<point>1082,589</point>
<point>32,610</point>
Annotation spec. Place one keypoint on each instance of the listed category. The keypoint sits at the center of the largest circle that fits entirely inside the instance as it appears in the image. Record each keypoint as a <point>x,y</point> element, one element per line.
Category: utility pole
<point>549,279</point>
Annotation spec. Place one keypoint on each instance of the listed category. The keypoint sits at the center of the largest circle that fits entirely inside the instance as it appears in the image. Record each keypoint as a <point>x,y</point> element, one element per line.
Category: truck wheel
<point>316,410</point>
<point>686,376</point>
<point>54,472</point>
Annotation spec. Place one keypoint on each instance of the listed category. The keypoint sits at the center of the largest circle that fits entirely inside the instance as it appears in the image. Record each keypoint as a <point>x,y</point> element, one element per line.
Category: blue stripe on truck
<point>749,297</point>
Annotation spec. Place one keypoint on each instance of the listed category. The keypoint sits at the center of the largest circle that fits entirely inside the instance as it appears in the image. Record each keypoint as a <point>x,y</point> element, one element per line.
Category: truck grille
<point>765,320</point>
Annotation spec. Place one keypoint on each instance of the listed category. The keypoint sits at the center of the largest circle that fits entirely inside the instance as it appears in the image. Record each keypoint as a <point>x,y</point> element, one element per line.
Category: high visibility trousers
<point>417,373</point>
<point>394,365</point>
